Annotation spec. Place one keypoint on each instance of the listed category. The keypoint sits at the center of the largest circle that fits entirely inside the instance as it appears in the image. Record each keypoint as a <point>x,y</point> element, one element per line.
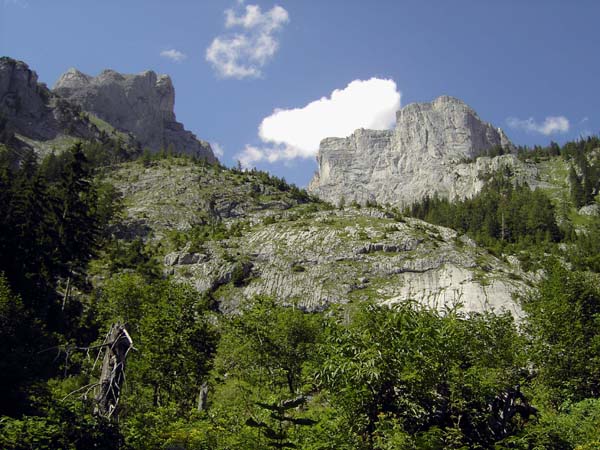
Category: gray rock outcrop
<point>323,263</point>
<point>425,154</point>
<point>590,210</point>
<point>304,253</point>
<point>141,104</point>
<point>30,113</point>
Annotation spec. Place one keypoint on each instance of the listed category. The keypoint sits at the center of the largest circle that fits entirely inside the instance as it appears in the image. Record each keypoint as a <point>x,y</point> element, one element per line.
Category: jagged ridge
<point>33,117</point>
<point>141,103</point>
<point>421,156</point>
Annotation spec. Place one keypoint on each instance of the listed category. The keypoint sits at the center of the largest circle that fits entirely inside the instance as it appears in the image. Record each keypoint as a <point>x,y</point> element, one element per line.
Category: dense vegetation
<point>507,217</point>
<point>357,376</point>
<point>500,214</point>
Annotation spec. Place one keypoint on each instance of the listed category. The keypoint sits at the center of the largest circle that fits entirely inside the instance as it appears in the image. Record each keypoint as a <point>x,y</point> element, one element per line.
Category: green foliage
<point>269,343</point>
<point>51,218</point>
<point>199,234</point>
<point>169,324</point>
<point>64,427</point>
<point>277,429</point>
<point>175,340</point>
<point>273,376</point>
<point>78,226</point>
<point>416,374</point>
<point>585,251</point>
<point>20,336</point>
<point>575,426</point>
<point>298,268</point>
<point>564,325</point>
<point>280,184</point>
<point>578,196</point>
<point>263,361</point>
<point>134,256</point>
<point>570,150</point>
<point>501,214</point>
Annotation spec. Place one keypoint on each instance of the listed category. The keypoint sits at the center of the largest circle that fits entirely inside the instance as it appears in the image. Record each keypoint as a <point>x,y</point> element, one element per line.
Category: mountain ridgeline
<point>134,112</point>
<point>436,287</point>
<point>141,104</point>
<point>423,155</point>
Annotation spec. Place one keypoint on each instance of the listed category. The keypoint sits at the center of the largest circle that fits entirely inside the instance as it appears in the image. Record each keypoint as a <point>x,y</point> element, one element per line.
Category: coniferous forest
<point>360,375</point>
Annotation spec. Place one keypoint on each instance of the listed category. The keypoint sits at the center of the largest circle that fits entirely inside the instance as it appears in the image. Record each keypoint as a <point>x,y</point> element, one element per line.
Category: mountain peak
<point>142,104</point>
<point>416,159</point>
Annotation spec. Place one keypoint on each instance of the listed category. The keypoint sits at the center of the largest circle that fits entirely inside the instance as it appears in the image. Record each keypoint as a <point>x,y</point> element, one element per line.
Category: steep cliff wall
<point>141,104</point>
<point>31,114</point>
<point>423,155</point>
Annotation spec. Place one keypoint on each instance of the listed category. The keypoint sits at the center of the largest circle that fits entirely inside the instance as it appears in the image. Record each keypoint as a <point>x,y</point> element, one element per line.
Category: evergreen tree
<point>78,226</point>
<point>577,192</point>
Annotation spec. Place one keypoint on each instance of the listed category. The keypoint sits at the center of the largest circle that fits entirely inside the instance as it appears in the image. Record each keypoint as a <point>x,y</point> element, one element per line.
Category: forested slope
<point>84,247</point>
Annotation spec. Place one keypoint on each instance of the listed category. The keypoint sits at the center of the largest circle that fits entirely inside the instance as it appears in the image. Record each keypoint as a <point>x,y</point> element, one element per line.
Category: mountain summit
<point>421,156</point>
<point>142,104</point>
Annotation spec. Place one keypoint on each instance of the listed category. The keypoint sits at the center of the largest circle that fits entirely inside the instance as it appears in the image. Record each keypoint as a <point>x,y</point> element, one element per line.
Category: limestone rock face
<point>300,252</point>
<point>423,155</point>
<point>590,210</point>
<point>34,118</point>
<point>29,111</point>
<point>20,93</point>
<point>141,104</point>
<point>323,263</point>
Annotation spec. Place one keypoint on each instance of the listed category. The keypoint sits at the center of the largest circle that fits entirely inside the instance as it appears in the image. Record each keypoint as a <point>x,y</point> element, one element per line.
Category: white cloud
<point>551,125</point>
<point>173,55</point>
<point>297,133</point>
<point>217,149</point>
<point>244,53</point>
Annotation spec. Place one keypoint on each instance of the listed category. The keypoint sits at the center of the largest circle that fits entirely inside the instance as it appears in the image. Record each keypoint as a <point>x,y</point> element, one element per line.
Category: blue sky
<point>531,67</point>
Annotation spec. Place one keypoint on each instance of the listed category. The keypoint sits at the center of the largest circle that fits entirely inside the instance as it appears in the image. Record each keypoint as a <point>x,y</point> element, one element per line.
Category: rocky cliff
<point>141,104</point>
<point>317,259</point>
<point>32,117</point>
<point>304,252</point>
<point>424,155</point>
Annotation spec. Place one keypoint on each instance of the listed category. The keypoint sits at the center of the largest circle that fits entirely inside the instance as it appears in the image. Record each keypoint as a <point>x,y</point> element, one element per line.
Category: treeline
<point>507,217</point>
<point>279,183</point>
<point>502,213</point>
<point>355,377</point>
<point>584,178</point>
<point>583,156</point>
<point>511,218</point>
<point>570,150</point>
<point>53,217</point>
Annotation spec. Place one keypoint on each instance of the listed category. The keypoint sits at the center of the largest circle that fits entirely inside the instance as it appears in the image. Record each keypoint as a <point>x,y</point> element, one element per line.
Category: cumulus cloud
<point>173,55</point>
<point>296,133</point>
<point>550,125</point>
<point>244,53</point>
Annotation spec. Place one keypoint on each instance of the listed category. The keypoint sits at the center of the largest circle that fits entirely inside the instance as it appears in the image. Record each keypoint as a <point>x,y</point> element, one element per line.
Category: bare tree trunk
<point>67,293</point>
<point>202,396</point>
<point>118,344</point>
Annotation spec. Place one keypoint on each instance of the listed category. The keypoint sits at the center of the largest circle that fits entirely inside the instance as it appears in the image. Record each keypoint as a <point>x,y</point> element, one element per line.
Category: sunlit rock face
<point>424,155</point>
<point>141,104</point>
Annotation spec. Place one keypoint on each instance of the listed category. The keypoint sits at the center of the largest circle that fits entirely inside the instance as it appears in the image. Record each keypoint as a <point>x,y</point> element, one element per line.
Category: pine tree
<point>78,228</point>
<point>577,192</point>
